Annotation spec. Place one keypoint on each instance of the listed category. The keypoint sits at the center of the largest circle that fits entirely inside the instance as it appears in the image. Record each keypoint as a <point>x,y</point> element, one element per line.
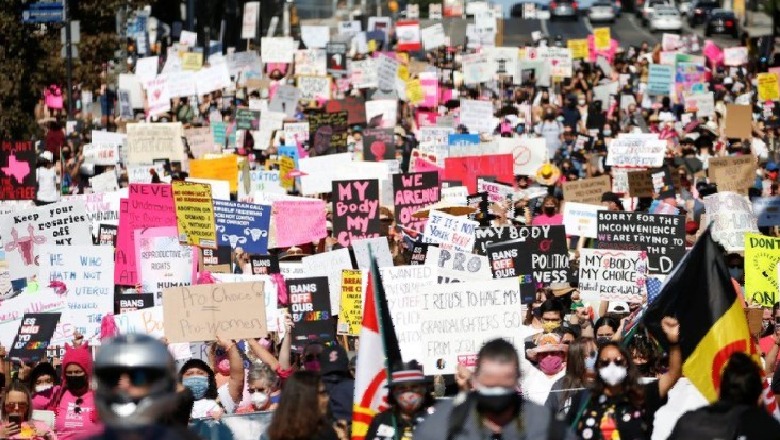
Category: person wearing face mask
<point>490,407</point>
<point>263,389</point>
<point>74,407</point>
<point>550,316</point>
<point>618,405</point>
<point>410,394</point>
<point>196,376</point>
<point>643,354</point>
<point>550,213</point>
<point>736,266</point>
<point>44,383</point>
<point>567,391</point>
<point>607,329</point>
<point>229,373</point>
<point>549,356</point>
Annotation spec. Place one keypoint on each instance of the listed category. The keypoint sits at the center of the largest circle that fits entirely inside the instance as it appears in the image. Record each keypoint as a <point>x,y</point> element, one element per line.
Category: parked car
<point>700,10</point>
<point>602,10</point>
<point>665,18</point>
<point>536,5</point>
<point>685,7</point>
<point>563,9</point>
<point>721,21</point>
<point>647,9</point>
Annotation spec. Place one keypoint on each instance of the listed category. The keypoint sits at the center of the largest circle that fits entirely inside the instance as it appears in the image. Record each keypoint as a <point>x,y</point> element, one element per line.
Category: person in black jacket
<point>738,413</point>
<point>410,396</point>
<point>334,368</point>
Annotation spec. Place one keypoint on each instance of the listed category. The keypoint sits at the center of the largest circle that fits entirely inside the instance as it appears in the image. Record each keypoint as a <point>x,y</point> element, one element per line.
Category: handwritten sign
<point>194,213</point>
<point>602,37</point>
<point>455,266</point>
<point>144,321</point>
<point>731,218</point>
<point>733,173</point>
<point>404,286</point>
<point>147,142</point>
<point>230,310</point>
<point>328,132</point>
<point>330,264</point>
<point>412,192</point>
<point>17,165</point>
<point>355,210</point>
<point>587,191</point>
<point>660,79</point>
<point>762,255</point>
<point>450,232</point>
<point>310,310</point>
<point>351,308</point>
<point>243,225</point>
<point>163,261</point>
<point>581,219</point>
<point>313,88</point>
<point>222,168</point>
<point>636,151</point>
<point>303,221</point>
<point>613,275</point>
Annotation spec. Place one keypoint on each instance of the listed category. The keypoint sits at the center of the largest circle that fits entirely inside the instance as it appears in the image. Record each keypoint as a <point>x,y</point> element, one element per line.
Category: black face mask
<point>497,404</point>
<point>644,369</point>
<point>549,210</point>
<point>66,155</point>
<point>76,383</point>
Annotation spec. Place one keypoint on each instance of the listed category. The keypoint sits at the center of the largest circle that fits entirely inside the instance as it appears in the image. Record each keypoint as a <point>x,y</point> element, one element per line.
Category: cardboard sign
<point>243,225</point>
<point>351,307</point>
<point>467,168</point>
<point>661,236</point>
<point>144,321</point>
<point>25,231</point>
<point>310,310</point>
<point>404,286</point>
<point>147,142</point>
<point>127,302</point>
<point>412,192</point>
<point>731,218</point>
<point>200,313</point>
<point>221,168</point>
<point>328,132</point>
<point>613,275</point>
<point>162,261</point>
<point>195,213</point>
<point>35,333</point>
<point>739,122</point>
<point>378,144</point>
<point>86,272</point>
<point>450,232</point>
<point>17,163</point>
<point>640,183</point>
<point>588,190</point>
<point>355,210</point>
<point>304,221</point>
<point>448,311</point>
<point>762,255</point>
<point>733,173</point>
<point>581,219</point>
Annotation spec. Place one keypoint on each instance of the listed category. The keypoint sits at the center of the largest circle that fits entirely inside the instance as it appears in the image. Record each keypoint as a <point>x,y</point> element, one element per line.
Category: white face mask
<point>259,400</point>
<point>613,374</point>
<point>42,388</point>
<point>581,102</point>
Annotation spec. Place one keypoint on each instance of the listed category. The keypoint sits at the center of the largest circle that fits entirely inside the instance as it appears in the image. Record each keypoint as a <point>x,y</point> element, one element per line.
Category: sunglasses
<point>619,362</point>
<point>12,405</point>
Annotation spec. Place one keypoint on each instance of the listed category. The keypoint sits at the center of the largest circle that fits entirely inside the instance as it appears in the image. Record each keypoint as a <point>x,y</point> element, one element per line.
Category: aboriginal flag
<point>699,293</point>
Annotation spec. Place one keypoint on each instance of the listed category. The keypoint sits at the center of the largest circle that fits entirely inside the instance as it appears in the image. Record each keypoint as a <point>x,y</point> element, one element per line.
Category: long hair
<point>298,407</point>
<point>575,372</point>
<point>632,391</point>
<point>19,388</point>
<point>211,393</point>
<point>42,369</point>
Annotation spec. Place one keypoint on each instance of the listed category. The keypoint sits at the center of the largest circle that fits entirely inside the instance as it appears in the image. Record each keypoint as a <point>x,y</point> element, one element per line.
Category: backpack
<point>709,422</point>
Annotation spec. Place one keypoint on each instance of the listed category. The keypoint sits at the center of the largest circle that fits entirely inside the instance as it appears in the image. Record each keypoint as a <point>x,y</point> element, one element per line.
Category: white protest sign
<point>476,68</point>
<point>496,191</point>
<point>158,97</point>
<point>104,149</point>
<point>387,72</point>
<point>613,275</point>
<point>559,60</point>
<point>528,153</point>
<point>102,207</point>
<point>581,219</point>
<point>703,103</point>
<point>188,39</point>
<point>162,261</point>
<point>404,286</point>
<point>209,79</point>
<point>277,49</point>
<point>44,300</point>
<point>321,171</point>
<point>296,132</point>
<point>363,73</point>
<point>450,232</point>
<point>249,22</point>
<point>731,216</point>
<point>25,231</point>
<point>146,68</point>
<point>88,274</point>
<point>315,37</point>
<point>147,321</point>
<point>504,60</point>
<point>284,100</point>
<point>458,318</point>
<point>385,110</point>
<point>147,142</point>
<point>181,84</point>
<point>433,36</point>
<point>636,152</point>
<point>735,56</point>
<point>477,116</point>
<point>329,264</point>
<point>313,88</point>
<point>104,182</point>
<point>456,266</point>
<point>380,249</point>
<point>455,194</point>
<point>311,62</point>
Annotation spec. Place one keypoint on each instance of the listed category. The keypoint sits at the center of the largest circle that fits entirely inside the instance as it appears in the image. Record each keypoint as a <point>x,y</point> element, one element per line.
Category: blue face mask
<point>590,362</point>
<point>197,384</point>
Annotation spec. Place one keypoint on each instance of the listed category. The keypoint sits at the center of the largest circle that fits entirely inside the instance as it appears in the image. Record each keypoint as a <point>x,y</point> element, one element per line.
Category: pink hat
<point>79,356</point>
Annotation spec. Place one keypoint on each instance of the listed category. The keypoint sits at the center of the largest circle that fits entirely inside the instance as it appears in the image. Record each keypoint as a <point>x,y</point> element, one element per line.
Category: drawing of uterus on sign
<point>25,245</point>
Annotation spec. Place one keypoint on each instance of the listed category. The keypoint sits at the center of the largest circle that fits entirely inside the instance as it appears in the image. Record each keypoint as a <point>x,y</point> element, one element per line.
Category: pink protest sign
<point>430,85</point>
<point>299,221</point>
<point>148,205</point>
<point>609,54</point>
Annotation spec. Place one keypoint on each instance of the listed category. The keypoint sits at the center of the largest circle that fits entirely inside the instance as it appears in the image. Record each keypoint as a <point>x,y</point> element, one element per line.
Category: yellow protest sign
<point>762,254</point>
<point>286,165</point>
<point>768,89</point>
<point>602,38</point>
<point>351,306</point>
<point>579,48</point>
<point>195,214</point>
<point>191,61</point>
<point>403,72</point>
<point>414,91</point>
<point>220,168</point>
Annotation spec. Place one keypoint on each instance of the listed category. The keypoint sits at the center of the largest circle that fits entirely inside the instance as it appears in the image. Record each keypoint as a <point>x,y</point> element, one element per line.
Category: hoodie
<point>76,416</point>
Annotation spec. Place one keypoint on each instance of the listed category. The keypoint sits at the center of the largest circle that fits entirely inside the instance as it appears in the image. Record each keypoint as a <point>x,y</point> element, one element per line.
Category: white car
<point>649,6</point>
<point>602,11</point>
<point>665,18</point>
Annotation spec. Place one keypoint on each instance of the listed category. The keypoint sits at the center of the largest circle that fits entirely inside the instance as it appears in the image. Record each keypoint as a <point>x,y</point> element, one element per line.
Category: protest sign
<point>702,104</point>
<point>613,275</point>
<point>104,154</point>
<point>17,163</point>
<point>381,113</point>
<point>220,168</point>
<point>200,141</point>
<point>313,88</point>
<point>284,100</point>
<point>102,208</point>
<point>420,253</point>
<point>636,151</point>
<point>640,183</point>
<point>25,231</point>
<point>127,302</point>
<point>735,56</point>
<point>528,153</point>
<point>363,249</point>
<point>230,310</point>
<point>768,89</point>
<point>458,318</point>
<point>310,310</point>
<point>328,132</point>
<point>581,219</point>
<point>363,73</point>
<point>579,48</point>
<point>243,225</point>
<point>739,121</point>
<point>351,306</point>
<point>15,305</point>
<point>731,218</point>
<point>378,144</point>
<point>158,96</point>
<point>194,213</point>
<point>762,255</point>
<point>247,119</point>
<point>449,231</point>
<point>272,312</point>
<point>315,37</point>
<point>496,192</point>
<point>477,116</point>
<point>216,260</point>
<point>353,105</point>
<point>337,59</point>
<point>104,182</point>
<point>457,266</point>
<point>476,68</point>
<point>660,80</point>
<point>467,168</point>
<point>303,221</point>
<point>311,62</point>
<point>404,286</point>
<point>264,264</point>
<point>33,336</point>
<point>329,264</point>
<point>318,173</point>
<point>147,321</point>
<point>433,36</point>
<point>408,34</point>
<point>661,236</point>
<point>147,142</point>
<point>106,235</point>
<point>192,61</point>
<point>86,272</point>
<point>355,210</point>
<point>387,72</point>
<point>733,173</point>
<point>163,261</point>
<point>277,49</point>
<point>588,190</point>
<point>602,37</point>
<point>412,192</point>
<point>767,211</point>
